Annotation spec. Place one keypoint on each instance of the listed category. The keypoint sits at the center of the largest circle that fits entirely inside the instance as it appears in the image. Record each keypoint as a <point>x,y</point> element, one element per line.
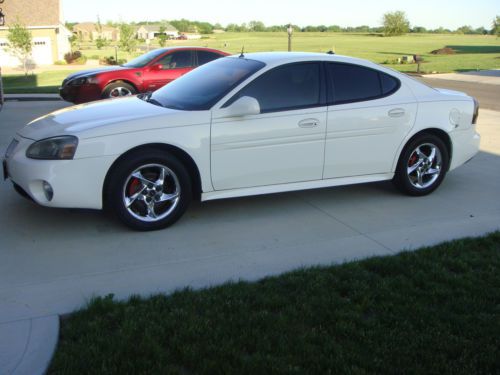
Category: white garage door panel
<point>42,51</point>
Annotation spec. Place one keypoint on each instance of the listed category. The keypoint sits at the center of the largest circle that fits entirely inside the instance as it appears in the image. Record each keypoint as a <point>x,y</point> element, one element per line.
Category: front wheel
<point>422,165</point>
<point>118,89</point>
<point>148,191</point>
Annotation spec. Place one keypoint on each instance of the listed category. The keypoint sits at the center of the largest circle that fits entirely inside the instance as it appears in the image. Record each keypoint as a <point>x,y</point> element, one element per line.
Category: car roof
<point>279,58</point>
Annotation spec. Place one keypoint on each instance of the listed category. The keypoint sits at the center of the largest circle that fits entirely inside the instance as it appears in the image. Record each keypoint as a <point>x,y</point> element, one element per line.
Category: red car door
<point>167,68</point>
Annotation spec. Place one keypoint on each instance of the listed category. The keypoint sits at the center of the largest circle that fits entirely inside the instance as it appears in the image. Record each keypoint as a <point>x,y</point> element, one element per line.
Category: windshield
<point>201,88</point>
<point>143,60</point>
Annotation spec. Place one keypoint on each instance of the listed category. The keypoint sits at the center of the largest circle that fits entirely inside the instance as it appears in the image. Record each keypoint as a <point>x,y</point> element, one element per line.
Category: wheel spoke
<point>432,155</point>
<point>151,210</point>
<point>161,177</point>
<point>414,166</point>
<point>141,178</point>
<point>432,171</point>
<point>420,177</point>
<point>130,200</point>
<point>168,197</point>
<point>420,154</point>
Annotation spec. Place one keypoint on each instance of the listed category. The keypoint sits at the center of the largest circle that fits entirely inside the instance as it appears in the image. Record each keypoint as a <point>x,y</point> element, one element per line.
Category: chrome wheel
<point>424,165</point>
<point>119,91</point>
<point>151,192</point>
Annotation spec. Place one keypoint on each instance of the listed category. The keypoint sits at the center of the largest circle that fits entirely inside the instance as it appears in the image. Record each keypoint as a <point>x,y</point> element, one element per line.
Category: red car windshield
<point>201,88</point>
<point>143,60</point>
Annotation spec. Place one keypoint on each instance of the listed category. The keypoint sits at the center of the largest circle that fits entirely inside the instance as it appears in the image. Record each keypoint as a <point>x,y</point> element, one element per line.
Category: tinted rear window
<point>354,83</point>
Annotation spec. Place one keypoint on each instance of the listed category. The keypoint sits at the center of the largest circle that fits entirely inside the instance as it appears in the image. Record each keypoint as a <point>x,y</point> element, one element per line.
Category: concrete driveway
<point>54,260</point>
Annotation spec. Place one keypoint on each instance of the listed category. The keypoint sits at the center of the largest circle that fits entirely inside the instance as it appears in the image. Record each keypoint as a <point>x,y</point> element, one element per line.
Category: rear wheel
<point>148,191</point>
<point>118,89</point>
<point>422,165</point>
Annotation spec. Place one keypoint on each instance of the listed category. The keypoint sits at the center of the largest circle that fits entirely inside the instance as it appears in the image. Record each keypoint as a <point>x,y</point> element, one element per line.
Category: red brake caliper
<point>134,186</point>
<point>412,160</point>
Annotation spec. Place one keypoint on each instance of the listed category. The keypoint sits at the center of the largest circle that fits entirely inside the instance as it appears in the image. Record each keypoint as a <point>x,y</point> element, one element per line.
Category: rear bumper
<point>465,146</point>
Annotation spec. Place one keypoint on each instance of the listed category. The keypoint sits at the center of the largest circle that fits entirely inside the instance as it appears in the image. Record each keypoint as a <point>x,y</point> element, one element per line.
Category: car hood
<point>90,72</point>
<point>108,117</point>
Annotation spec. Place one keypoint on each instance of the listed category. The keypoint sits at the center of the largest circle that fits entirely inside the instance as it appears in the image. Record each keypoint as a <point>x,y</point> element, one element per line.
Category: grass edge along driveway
<point>435,310</point>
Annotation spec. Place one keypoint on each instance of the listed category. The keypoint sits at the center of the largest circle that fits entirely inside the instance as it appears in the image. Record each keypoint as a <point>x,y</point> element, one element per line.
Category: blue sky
<point>428,13</point>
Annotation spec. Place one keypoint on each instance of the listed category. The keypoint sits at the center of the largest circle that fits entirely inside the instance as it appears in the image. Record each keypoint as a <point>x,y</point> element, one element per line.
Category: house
<point>43,18</point>
<point>149,32</point>
<point>88,31</point>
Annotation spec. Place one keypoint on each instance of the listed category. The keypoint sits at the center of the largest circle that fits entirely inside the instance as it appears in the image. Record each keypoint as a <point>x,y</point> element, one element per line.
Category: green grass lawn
<point>432,311</point>
<point>473,52</point>
<point>45,82</point>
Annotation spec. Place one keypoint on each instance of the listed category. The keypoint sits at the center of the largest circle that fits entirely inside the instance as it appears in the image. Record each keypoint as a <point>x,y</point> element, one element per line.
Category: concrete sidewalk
<point>53,261</point>
<point>32,97</point>
<point>489,77</point>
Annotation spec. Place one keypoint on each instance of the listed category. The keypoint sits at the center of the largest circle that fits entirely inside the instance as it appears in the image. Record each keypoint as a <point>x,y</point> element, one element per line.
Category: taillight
<point>476,111</point>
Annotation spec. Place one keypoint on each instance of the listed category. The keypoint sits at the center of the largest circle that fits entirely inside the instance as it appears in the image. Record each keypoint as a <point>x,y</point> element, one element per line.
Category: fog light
<point>47,189</point>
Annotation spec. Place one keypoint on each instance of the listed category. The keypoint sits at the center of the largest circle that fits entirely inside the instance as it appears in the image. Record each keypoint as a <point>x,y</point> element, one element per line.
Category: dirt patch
<point>443,51</point>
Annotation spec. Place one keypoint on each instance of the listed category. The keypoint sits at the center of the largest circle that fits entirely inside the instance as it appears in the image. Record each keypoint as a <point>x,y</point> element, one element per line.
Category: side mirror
<point>157,67</point>
<point>244,106</point>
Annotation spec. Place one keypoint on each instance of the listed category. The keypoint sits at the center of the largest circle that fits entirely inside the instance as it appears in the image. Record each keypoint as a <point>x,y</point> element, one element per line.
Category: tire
<point>422,165</point>
<point>143,198</point>
<point>118,89</point>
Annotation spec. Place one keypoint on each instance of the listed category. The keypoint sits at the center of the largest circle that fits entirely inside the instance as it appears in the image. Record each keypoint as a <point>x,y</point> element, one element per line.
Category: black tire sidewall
<point>401,179</point>
<point>121,171</point>
<point>111,86</point>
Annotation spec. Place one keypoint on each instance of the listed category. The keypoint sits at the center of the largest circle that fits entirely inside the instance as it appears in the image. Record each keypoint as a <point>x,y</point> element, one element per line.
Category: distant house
<point>149,32</point>
<point>90,31</point>
<point>44,20</point>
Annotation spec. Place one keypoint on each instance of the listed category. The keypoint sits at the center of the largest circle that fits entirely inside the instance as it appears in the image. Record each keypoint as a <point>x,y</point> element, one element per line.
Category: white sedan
<point>244,125</point>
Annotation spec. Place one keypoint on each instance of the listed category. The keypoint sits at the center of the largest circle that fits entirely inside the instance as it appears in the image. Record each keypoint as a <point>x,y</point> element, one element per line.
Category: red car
<point>147,72</point>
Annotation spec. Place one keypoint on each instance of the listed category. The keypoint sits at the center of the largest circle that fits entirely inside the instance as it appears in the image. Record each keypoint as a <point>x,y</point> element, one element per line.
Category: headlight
<point>83,81</point>
<point>57,148</point>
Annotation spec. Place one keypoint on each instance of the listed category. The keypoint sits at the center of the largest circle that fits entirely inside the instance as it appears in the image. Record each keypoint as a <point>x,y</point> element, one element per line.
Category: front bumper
<point>80,94</point>
<point>76,183</point>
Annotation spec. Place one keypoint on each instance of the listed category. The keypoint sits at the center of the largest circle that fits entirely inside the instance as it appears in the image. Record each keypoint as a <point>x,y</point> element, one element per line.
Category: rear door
<point>369,115</point>
<point>203,57</point>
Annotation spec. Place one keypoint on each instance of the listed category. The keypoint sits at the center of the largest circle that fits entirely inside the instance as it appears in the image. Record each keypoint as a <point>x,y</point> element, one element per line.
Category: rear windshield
<point>201,88</point>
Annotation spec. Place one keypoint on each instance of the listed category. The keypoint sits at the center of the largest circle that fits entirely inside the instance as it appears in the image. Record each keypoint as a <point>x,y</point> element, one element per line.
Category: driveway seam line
<point>347,225</point>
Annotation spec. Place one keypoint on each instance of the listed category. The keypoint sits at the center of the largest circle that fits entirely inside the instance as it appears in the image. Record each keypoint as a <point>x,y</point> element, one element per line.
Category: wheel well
<point>124,81</point>
<point>441,134</point>
<point>180,154</point>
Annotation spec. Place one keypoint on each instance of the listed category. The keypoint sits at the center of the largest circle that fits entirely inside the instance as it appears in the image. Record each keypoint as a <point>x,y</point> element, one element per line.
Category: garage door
<point>6,59</point>
<point>42,51</point>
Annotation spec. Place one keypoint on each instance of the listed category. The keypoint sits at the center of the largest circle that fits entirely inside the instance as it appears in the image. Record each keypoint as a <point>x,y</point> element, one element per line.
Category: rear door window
<point>353,83</point>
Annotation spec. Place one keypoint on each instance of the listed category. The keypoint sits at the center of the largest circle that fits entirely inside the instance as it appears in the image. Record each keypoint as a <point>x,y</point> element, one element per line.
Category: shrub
<point>70,57</point>
<point>60,62</point>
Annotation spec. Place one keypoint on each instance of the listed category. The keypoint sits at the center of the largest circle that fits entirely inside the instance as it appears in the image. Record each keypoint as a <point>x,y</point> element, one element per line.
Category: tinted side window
<point>288,87</point>
<point>179,59</point>
<point>206,56</point>
<point>389,84</point>
<point>353,83</point>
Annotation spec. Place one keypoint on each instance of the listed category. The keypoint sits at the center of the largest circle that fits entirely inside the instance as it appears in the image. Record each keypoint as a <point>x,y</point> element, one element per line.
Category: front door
<point>167,68</point>
<point>282,144</point>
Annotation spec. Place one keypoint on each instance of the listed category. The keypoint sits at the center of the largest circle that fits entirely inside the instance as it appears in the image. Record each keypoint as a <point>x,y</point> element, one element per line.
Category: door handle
<point>309,123</point>
<point>396,112</point>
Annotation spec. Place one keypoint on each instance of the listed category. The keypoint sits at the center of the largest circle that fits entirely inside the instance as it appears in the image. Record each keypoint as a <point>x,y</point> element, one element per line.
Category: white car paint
<point>318,147</point>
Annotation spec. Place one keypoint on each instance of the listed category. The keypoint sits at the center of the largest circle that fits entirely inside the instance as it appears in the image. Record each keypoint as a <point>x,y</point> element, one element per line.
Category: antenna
<point>242,56</point>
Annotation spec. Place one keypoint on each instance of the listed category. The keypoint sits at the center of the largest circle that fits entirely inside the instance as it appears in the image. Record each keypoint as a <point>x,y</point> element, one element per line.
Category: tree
<point>496,26</point>
<point>127,38</point>
<point>162,36</point>
<point>256,26</point>
<point>466,29</point>
<point>20,44</point>
<point>395,23</point>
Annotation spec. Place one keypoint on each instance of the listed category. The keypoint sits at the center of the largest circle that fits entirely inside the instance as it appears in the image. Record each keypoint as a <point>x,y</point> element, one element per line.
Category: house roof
<point>32,12</point>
